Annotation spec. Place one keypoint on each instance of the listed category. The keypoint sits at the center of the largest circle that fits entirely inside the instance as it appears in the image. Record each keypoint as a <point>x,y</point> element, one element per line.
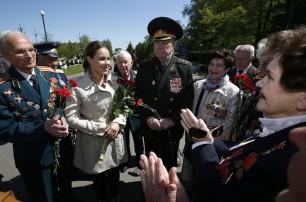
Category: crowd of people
<point>244,127</point>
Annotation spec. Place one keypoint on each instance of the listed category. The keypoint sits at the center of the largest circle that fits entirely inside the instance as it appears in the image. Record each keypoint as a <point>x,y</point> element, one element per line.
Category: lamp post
<point>42,13</point>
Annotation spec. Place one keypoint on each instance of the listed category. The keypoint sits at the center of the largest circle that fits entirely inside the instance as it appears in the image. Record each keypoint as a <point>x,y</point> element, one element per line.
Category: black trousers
<point>164,146</point>
<point>62,182</point>
<point>107,183</point>
<point>38,184</point>
<point>137,138</point>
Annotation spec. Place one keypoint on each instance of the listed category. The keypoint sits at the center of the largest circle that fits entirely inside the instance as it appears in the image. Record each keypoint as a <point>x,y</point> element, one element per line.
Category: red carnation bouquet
<point>244,83</point>
<point>245,103</point>
<point>58,99</point>
<point>122,104</point>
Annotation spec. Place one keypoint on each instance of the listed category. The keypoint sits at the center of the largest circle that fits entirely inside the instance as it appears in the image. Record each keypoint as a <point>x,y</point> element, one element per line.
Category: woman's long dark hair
<point>90,51</point>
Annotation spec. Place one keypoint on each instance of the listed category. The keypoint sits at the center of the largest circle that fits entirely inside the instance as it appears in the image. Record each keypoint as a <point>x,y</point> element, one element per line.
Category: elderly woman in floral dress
<point>100,146</point>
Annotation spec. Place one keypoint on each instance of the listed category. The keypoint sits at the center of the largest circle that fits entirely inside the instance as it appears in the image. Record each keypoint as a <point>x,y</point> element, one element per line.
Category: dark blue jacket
<point>252,179</point>
<point>23,113</point>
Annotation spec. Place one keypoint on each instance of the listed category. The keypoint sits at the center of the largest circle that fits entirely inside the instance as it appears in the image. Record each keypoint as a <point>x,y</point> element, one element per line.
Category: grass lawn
<point>75,69</point>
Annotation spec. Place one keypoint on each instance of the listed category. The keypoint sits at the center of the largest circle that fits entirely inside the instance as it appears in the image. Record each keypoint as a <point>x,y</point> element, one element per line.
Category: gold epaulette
<point>4,77</point>
<point>59,71</point>
<point>45,69</point>
<point>182,61</point>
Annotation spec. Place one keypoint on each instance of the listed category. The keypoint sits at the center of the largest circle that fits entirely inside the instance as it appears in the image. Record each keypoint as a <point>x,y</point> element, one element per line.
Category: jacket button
<point>155,98</point>
<point>171,99</point>
<point>45,110</point>
<point>170,111</point>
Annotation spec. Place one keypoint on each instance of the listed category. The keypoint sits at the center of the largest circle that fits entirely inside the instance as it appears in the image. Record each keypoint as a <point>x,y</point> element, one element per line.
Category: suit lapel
<point>26,90</point>
<point>44,86</point>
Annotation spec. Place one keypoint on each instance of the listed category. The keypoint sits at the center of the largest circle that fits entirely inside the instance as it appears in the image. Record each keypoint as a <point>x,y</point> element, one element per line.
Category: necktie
<point>35,83</point>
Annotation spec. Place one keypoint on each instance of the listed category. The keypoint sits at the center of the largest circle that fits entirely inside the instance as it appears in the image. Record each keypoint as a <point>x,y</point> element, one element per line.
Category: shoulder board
<point>45,69</point>
<point>59,71</point>
<point>4,77</point>
<point>182,61</point>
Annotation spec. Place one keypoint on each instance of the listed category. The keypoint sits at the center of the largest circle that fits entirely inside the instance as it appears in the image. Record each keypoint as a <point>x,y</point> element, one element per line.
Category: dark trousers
<point>62,182</point>
<point>107,183</point>
<point>164,147</point>
<point>137,138</point>
<point>38,184</point>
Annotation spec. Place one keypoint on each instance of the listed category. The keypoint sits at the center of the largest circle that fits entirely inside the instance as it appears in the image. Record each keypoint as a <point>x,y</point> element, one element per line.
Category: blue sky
<point>120,21</point>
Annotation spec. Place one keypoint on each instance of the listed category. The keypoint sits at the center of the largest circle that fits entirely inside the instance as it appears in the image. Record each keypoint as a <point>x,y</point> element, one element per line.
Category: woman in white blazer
<point>88,110</point>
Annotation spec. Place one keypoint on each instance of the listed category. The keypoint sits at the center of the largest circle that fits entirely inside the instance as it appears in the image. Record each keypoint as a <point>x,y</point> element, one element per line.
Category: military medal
<point>18,98</point>
<point>9,92</point>
<point>175,85</point>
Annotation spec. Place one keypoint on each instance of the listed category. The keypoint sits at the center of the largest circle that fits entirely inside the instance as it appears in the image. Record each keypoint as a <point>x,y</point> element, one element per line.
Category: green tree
<point>108,44</point>
<point>144,50</point>
<point>69,50</point>
<point>130,49</point>
<point>224,24</point>
<point>84,41</point>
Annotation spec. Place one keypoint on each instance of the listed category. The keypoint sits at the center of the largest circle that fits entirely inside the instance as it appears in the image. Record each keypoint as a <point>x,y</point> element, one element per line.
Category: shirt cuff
<point>200,143</point>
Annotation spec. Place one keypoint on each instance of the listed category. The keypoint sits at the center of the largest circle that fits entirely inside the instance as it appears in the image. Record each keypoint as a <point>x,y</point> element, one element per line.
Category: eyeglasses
<point>23,52</point>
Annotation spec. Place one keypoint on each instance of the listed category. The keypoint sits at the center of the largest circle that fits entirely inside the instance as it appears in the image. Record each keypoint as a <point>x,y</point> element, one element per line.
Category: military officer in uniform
<point>29,117</point>
<point>164,83</point>
<point>47,56</point>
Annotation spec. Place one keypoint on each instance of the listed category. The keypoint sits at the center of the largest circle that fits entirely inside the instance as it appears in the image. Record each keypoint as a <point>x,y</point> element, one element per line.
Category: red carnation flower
<point>73,83</point>
<point>138,103</point>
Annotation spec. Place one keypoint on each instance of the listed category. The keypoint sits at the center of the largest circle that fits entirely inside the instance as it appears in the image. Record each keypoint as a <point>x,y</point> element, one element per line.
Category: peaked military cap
<point>164,28</point>
<point>48,49</point>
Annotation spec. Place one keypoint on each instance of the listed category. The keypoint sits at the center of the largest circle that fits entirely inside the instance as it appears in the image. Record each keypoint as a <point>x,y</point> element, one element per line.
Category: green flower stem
<point>56,149</point>
<point>103,151</point>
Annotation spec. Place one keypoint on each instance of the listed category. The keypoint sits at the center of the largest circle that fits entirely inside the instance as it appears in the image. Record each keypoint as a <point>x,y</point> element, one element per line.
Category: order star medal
<point>153,83</point>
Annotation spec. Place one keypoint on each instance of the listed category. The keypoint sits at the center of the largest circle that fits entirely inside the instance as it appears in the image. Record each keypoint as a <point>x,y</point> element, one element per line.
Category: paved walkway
<point>130,185</point>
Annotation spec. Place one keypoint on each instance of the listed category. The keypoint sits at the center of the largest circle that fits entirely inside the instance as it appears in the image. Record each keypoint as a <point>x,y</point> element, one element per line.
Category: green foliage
<point>130,49</point>
<point>144,50</point>
<point>84,41</point>
<point>117,50</point>
<point>69,50</point>
<point>215,24</point>
<point>122,99</point>
<point>108,44</point>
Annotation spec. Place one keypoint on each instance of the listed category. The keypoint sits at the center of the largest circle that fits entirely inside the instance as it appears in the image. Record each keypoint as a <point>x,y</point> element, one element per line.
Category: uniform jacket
<point>217,107</point>
<point>258,168</point>
<point>88,111</point>
<point>252,72</point>
<point>167,92</point>
<point>23,113</point>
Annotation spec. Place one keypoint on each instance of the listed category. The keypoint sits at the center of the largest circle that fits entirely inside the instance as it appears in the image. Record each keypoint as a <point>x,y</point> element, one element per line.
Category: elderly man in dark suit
<point>164,83</point>
<point>29,117</point>
<point>244,55</point>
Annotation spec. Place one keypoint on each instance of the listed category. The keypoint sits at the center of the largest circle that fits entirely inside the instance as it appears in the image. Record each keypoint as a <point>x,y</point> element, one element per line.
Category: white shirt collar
<point>245,70</point>
<point>25,75</point>
<point>273,125</point>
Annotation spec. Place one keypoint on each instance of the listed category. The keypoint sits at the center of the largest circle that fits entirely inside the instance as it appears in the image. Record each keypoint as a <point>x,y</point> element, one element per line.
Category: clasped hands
<point>159,124</point>
<point>57,127</point>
